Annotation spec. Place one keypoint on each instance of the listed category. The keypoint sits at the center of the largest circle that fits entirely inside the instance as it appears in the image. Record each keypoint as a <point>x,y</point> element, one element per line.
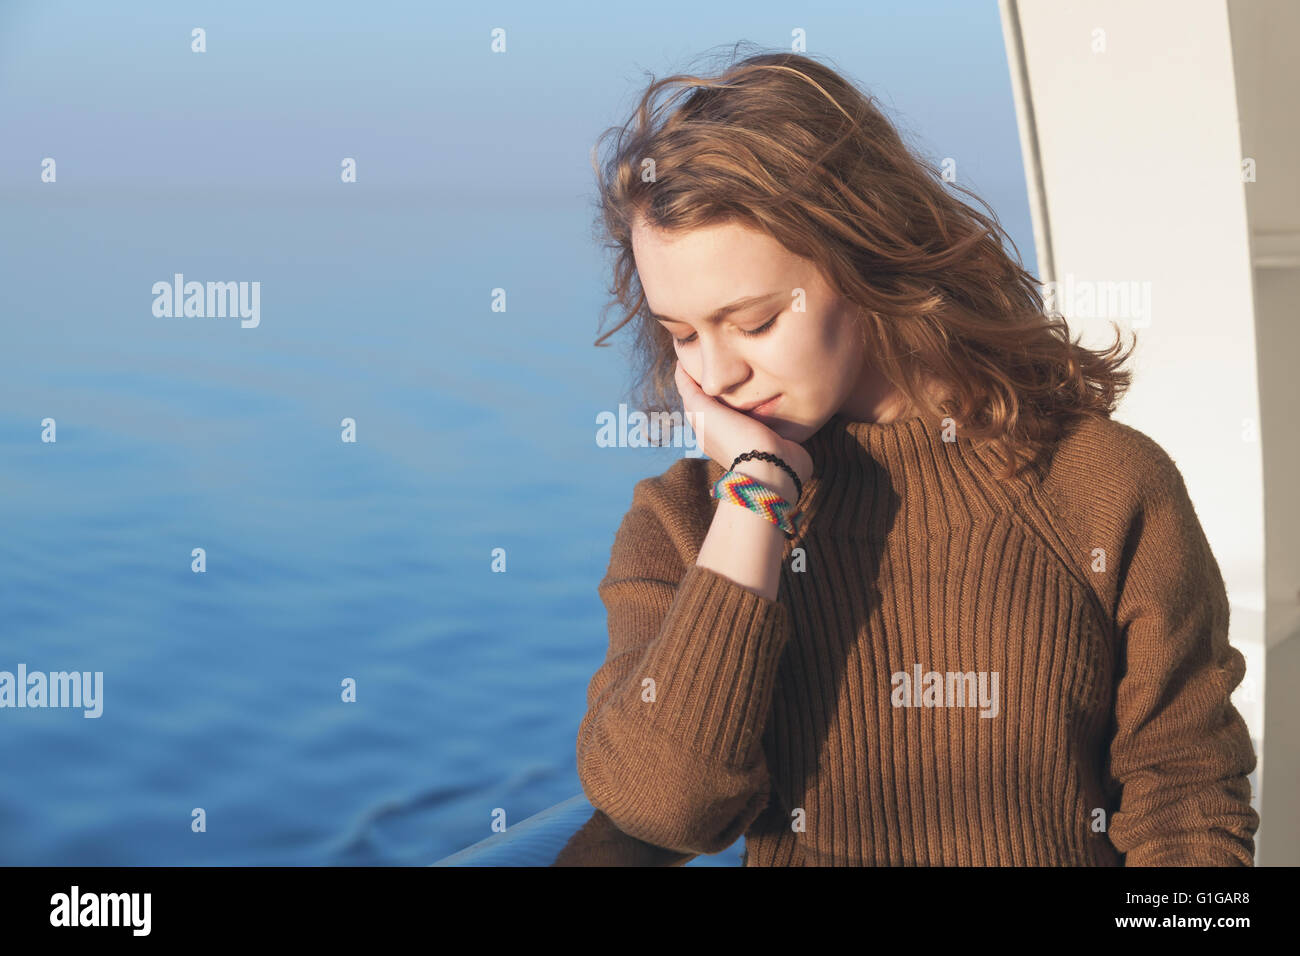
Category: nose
<point>722,368</point>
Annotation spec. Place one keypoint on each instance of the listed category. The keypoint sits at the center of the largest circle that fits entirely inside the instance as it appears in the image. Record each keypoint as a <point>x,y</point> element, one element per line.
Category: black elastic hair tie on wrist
<point>768,456</point>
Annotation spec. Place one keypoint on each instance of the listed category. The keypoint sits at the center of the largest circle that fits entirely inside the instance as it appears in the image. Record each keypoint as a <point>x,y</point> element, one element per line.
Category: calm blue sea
<point>325,560</point>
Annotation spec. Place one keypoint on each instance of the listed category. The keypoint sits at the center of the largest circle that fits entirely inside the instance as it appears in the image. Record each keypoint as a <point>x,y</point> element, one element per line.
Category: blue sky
<point>414,93</point>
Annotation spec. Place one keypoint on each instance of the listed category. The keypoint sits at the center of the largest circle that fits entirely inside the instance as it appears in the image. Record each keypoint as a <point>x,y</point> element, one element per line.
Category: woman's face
<point>812,361</point>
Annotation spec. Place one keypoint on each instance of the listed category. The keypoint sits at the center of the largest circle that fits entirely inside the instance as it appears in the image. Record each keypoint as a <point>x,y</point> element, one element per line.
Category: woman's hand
<point>723,433</point>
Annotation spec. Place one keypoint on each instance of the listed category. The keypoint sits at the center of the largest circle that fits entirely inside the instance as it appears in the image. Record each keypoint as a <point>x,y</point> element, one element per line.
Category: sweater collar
<point>841,439</point>
<point>865,472</point>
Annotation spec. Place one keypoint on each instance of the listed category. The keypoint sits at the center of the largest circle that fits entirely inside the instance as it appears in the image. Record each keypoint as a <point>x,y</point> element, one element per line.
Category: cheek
<point>837,337</point>
<point>829,360</point>
<point>843,347</point>
<point>804,356</point>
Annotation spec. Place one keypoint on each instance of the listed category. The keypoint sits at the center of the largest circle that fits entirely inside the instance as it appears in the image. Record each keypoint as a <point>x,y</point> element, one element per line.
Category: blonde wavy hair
<point>787,146</point>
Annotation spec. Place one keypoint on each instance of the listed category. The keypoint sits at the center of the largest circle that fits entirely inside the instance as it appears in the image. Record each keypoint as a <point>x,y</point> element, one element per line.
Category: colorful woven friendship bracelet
<point>740,489</point>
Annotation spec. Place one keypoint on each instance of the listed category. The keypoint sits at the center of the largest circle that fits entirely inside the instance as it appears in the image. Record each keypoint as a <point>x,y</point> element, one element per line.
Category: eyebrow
<point>719,314</point>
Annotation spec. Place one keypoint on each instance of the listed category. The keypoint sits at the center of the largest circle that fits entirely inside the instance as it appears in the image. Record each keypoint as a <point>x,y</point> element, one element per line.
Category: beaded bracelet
<point>740,489</point>
<point>768,456</point>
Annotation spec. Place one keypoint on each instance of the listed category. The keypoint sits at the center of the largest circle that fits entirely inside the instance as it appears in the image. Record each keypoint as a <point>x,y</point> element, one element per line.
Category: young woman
<point>951,613</point>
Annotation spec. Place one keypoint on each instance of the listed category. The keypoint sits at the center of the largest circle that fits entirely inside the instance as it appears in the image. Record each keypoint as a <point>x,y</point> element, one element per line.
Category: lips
<point>762,407</point>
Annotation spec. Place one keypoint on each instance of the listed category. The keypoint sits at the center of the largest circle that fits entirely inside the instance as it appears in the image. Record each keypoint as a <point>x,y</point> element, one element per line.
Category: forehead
<point>688,274</point>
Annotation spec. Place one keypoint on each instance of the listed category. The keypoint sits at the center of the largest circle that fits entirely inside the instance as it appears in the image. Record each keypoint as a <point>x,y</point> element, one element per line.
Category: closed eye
<point>761,330</point>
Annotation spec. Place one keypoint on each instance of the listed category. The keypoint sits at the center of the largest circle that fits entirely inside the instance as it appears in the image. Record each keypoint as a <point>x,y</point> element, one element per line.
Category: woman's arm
<point>670,747</point>
<point>743,546</point>
<point>1181,750</point>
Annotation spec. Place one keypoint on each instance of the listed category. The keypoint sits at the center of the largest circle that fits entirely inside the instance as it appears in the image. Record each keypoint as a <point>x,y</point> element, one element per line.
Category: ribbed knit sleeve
<point>670,747</point>
<point>1181,750</point>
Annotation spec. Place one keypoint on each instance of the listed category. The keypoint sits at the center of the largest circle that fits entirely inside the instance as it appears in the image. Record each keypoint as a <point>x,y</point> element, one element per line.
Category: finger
<point>685,384</point>
<point>690,382</point>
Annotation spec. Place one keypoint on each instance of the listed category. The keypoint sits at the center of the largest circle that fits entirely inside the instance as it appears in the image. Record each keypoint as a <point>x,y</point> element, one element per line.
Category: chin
<point>784,428</point>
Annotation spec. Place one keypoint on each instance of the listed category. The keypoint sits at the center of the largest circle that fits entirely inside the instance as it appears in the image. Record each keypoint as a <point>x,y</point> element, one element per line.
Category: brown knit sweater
<point>958,670</point>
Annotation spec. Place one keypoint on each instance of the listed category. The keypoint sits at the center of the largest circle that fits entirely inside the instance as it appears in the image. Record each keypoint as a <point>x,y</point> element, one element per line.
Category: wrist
<point>773,476</point>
